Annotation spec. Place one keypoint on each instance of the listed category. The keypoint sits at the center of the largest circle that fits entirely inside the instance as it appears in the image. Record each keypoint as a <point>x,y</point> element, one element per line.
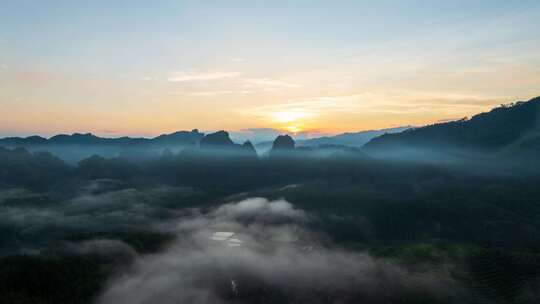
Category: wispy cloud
<point>302,108</point>
<point>220,92</point>
<point>374,102</point>
<point>185,76</point>
<point>108,131</point>
<point>237,86</point>
<point>268,83</point>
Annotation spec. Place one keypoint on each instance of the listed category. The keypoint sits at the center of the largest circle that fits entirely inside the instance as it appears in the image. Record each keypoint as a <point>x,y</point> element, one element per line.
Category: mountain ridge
<point>179,137</point>
<point>509,127</point>
<point>357,139</point>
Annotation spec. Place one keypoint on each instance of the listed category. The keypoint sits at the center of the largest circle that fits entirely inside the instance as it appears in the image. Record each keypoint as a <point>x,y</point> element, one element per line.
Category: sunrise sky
<point>134,67</point>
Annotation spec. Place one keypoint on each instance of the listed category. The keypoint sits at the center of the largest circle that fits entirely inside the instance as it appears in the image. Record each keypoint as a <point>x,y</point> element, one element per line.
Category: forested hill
<point>512,127</point>
<point>180,137</point>
<point>76,147</point>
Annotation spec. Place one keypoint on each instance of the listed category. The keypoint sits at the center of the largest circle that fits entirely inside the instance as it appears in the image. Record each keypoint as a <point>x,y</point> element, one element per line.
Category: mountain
<point>217,139</point>
<point>283,142</point>
<point>260,135</point>
<point>177,138</point>
<point>508,129</point>
<point>72,148</point>
<point>181,137</point>
<point>355,139</point>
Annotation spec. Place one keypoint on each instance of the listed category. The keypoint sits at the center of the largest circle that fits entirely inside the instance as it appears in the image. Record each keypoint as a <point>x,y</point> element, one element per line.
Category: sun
<point>291,120</point>
<point>294,128</point>
<point>289,116</point>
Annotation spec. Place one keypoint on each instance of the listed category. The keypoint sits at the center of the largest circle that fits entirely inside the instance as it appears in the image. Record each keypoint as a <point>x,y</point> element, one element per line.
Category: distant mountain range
<point>355,139</point>
<point>75,147</point>
<point>80,146</point>
<point>505,130</point>
<point>350,139</point>
<point>177,138</point>
<point>512,129</point>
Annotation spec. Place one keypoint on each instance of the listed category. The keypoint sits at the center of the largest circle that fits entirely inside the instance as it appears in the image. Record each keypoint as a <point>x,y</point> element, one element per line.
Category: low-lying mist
<point>256,251</point>
<point>32,222</point>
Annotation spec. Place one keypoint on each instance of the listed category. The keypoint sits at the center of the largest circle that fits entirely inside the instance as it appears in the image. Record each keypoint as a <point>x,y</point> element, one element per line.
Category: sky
<point>144,68</point>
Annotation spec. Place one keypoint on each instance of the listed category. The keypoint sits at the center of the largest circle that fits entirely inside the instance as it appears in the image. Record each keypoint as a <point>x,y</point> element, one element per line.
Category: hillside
<point>508,128</point>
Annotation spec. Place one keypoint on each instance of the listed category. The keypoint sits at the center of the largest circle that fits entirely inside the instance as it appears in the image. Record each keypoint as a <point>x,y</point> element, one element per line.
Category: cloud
<point>108,131</point>
<point>222,92</point>
<point>256,250</point>
<point>104,248</point>
<point>376,102</point>
<point>32,222</point>
<point>186,76</point>
<point>304,108</point>
<point>268,83</point>
<point>246,86</point>
<point>261,209</point>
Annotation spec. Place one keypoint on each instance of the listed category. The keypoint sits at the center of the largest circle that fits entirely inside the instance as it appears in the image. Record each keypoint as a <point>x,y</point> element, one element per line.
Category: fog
<point>42,223</point>
<point>278,257</point>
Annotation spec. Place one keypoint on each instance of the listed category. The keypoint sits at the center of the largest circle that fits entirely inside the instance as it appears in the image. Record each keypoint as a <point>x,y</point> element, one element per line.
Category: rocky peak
<point>283,143</point>
<point>217,139</point>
